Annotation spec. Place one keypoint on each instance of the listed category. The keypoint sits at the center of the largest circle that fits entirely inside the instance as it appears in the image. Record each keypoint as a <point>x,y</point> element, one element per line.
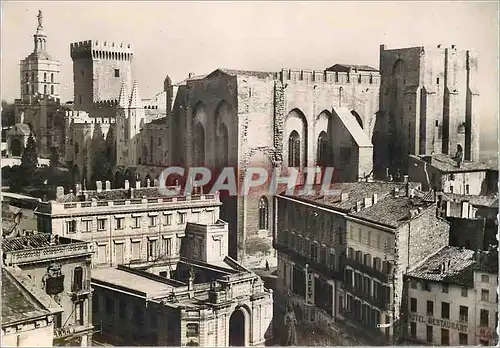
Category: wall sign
<point>443,323</point>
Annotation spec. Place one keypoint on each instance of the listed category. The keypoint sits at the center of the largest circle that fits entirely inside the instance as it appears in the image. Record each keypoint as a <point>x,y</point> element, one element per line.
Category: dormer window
<point>117,72</point>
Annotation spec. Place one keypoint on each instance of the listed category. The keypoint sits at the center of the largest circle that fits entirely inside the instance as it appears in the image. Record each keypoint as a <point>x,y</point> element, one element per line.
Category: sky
<point>176,38</point>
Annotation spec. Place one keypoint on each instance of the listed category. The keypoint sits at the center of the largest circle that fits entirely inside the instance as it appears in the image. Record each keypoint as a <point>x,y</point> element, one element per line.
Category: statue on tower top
<point>40,19</point>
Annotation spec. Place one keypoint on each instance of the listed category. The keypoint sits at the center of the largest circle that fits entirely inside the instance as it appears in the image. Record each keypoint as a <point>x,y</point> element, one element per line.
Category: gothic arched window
<point>263,214</point>
<point>294,150</point>
<point>224,144</point>
<point>323,153</point>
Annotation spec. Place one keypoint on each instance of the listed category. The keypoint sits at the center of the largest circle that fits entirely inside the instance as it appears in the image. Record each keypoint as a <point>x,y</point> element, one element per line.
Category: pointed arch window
<point>294,150</point>
<point>224,145</point>
<point>263,214</point>
<point>323,150</point>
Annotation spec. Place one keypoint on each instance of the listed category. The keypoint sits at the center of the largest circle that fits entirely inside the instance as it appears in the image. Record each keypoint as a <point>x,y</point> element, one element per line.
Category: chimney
<point>138,184</point>
<point>358,205</point>
<point>405,179</point>
<point>148,182</point>
<point>344,196</point>
<point>368,202</point>
<point>131,191</point>
<point>108,185</point>
<point>98,184</point>
<point>375,198</point>
<point>78,189</point>
<point>465,210</point>
<point>190,75</point>
<point>59,191</point>
<point>127,185</point>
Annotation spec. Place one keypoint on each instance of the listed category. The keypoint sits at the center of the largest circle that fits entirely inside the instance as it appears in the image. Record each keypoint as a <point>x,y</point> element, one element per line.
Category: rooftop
<point>347,67</point>
<point>35,240</point>
<point>483,201</point>
<point>355,191</point>
<point>40,55</point>
<point>22,300</point>
<point>451,265</point>
<point>233,72</point>
<point>393,211</point>
<point>447,164</point>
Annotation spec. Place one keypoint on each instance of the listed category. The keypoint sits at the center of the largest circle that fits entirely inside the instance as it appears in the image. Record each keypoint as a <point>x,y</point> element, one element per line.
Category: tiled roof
<point>446,163</point>
<point>484,201</point>
<point>21,299</point>
<point>41,55</point>
<point>357,191</point>
<point>450,265</point>
<point>392,211</point>
<point>258,74</point>
<point>34,241</point>
<point>346,67</point>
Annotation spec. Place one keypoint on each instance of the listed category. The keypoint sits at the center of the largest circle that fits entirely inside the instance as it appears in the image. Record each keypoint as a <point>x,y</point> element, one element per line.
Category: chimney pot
<point>358,206</point>
<point>108,185</point>
<point>127,185</point>
<point>375,198</point>
<point>98,184</point>
<point>148,182</point>
<point>368,202</point>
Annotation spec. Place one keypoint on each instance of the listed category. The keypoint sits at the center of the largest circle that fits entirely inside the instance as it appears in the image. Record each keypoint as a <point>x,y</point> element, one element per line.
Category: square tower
<point>99,70</point>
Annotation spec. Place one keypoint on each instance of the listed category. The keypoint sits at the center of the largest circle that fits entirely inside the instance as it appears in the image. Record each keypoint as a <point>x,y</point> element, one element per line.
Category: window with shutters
<point>71,226</point>
<point>101,224</point>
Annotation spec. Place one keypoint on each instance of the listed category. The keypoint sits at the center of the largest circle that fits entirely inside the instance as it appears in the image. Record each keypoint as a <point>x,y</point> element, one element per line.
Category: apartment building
<point>128,225</point>
<point>60,268</point>
<point>341,257</point>
<point>452,298</point>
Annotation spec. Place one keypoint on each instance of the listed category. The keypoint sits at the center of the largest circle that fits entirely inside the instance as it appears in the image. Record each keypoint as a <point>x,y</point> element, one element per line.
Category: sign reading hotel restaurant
<point>444,323</point>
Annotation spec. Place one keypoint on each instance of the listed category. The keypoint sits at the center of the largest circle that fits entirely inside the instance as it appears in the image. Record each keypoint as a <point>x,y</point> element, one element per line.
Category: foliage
<point>8,114</point>
<point>101,166</point>
<point>54,158</point>
<point>29,160</point>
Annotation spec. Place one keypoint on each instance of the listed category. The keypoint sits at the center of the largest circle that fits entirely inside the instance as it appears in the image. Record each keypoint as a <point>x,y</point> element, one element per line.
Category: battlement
<point>106,103</point>
<point>77,114</point>
<point>95,120</point>
<point>329,77</point>
<point>90,49</point>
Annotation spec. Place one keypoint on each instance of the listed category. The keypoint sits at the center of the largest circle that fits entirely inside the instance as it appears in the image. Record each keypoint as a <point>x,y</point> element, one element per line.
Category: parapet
<point>330,77</point>
<point>77,114</point>
<point>95,49</point>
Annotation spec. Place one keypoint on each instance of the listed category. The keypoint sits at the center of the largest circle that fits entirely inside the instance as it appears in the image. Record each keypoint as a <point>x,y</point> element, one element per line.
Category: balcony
<point>372,272</point>
<point>313,265</point>
<point>380,303</point>
<point>47,253</point>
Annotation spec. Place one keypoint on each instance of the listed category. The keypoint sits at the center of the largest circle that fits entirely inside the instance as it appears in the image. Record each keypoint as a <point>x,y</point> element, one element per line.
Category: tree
<point>29,160</point>
<point>101,167</point>
<point>8,114</point>
<point>54,158</point>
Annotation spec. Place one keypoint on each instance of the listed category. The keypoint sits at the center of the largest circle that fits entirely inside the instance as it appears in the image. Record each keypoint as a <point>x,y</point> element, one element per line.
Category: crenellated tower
<point>100,68</point>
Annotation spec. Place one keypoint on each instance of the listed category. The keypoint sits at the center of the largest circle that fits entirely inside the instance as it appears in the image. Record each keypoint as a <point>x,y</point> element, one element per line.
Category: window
<point>263,214</point>
<point>413,284</point>
<point>136,250</point>
<point>44,89</point>
<point>152,249</point>
<point>451,188</point>
<point>484,317</point>
<point>429,333</point>
<point>485,278</point>
<point>51,89</point>
<point>78,279</point>
<point>27,88</point>
<point>437,81</point>
<point>445,288</point>
<point>192,330</point>
<point>413,304</point>
<point>182,218</point>
<point>79,313</point>
<point>117,72</point>
<point>464,292</point>
<point>426,286</point>
<point>44,76</point>
<point>466,192</point>
<point>430,308</point>
<point>485,295</point>
<point>52,77</point>
<point>101,254</point>
<point>445,310</point>
<point>119,223</point>
<point>71,226</point>
<point>152,221</point>
<point>413,330</point>
<point>294,150</point>
<point>168,220</point>
<point>445,337</point>
<point>136,222</point>
<point>167,246</point>
<point>101,224</point>
<point>76,148</point>
<point>323,148</point>
<point>452,176</point>
<point>87,226</point>
<point>463,339</point>
<point>32,76</point>
<point>464,314</point>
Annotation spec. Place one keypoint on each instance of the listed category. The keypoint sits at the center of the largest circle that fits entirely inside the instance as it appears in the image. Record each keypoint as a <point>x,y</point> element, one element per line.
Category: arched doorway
<point>237,329</point>
<point>15,147</point>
